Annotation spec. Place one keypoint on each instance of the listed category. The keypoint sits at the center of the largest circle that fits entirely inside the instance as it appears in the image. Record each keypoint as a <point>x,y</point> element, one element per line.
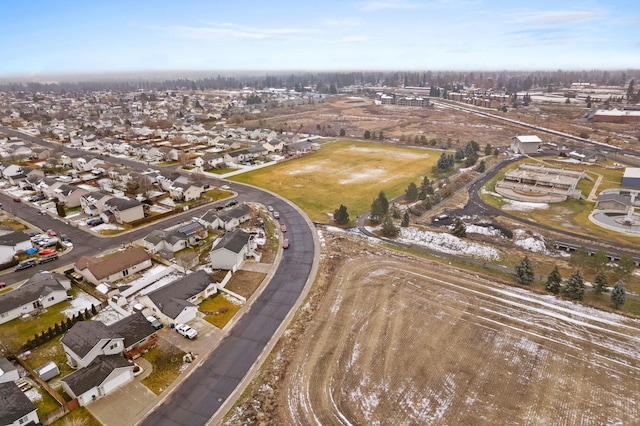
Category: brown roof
<point>84,262</point>
<point>119,262</point>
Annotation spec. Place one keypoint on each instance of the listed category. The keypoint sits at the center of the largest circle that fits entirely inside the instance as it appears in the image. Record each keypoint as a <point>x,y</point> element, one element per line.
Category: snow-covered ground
<point>530,241</point>
<point>79,303</point>
<point>447,243</point>
<point>484,230</point>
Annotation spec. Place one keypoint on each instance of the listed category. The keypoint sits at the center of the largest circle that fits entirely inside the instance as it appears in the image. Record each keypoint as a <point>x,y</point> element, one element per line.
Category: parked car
<point>48,258</point>
<point>95,221</point>
<point>283,227</point>
<point>65,238</point>
<point>285,243</point>
<point>37,197</point>
<point>155,322</point>
<point>186,331</point>
<point>51,232</point>
<point>45,252</point>
<point>270,208</point>
<point>3,284</point>
<point>231,203</point>
<point>17,199</point>
<point>225,187</point>
<point>25,265</point>
<point>276,215</point>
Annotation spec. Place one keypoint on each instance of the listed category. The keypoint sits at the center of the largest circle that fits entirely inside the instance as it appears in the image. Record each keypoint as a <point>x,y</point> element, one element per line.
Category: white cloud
<point>230,30</point>
<point>554,17</point>
<point>354,39</point>
<point>391,4</point>
<point>342,22</point>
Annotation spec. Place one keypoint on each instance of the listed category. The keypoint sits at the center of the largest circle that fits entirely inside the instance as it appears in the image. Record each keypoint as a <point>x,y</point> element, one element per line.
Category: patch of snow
<point>80,303</point>
<point>534,243</point>
<point>33,394</point>
<point>484,230</point>
<point>524,206</point>
<point>447,243</point>
<point>106,226</point>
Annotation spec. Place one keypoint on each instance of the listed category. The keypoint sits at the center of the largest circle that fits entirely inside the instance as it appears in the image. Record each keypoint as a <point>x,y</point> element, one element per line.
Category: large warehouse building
<point>631,177</point>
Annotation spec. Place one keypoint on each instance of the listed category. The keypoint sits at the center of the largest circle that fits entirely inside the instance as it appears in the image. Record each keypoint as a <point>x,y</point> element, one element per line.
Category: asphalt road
<point>198,397</point>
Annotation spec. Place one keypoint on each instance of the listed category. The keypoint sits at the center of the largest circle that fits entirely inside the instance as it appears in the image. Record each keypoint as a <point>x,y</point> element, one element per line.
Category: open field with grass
<point>345,172</point>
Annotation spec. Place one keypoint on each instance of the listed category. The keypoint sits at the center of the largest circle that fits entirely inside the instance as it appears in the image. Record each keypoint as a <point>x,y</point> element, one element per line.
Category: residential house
<point>42,290</point>
<point>105,374</point>
<point>186,191</point>
<point>8,371</point>
<point>93,202</point>
<point>122,210</point>
<point>230,219</point>
<point>16,409</point>
<point>230,251</point>
<point>12,243</point>
<point>211,220</point>
<point>87,340</point>
<point>69,195</point>
<point>48,186</point>
<point>164,242</point>
<point>114,267</point>
<point>177,301</point>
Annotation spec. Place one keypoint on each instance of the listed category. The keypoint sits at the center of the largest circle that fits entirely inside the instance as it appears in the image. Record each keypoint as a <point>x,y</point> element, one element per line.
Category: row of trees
<point>574,286</point>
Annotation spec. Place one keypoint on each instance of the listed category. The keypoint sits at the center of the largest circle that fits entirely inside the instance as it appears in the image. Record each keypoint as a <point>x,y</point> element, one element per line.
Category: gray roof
<point>13,238</point>
<point>191,228</point>
<point>622,199</point>
<point>6,366</point>
<point>40,284</point>
<point>209,216</point>
<point>171,237</point>
<point>122,204</point>
<point>14,404</point>
<point>84,335</point>
<point>95,373</point>
<point>133,328</point>
<point>172,298</point>
<point>233,241</point>
<point>234,213</point>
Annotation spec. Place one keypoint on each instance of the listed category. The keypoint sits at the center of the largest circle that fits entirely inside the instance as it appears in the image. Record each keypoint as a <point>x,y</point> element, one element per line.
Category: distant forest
<point>327,82</point>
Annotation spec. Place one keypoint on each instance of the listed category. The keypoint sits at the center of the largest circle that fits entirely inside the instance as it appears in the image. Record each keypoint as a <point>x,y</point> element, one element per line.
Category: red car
<point>285,243</point>
<point>17,199</point>
<point>283,227</point>
<point>51,233</point>
<point>46,252</point>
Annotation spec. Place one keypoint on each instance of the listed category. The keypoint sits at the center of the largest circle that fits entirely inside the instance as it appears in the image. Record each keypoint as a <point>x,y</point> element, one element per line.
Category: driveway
<point>124,406</point>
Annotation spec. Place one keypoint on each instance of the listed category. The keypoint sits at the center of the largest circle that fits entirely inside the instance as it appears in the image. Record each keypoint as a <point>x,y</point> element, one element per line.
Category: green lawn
<point>345,172</point>
<point>219,310</point>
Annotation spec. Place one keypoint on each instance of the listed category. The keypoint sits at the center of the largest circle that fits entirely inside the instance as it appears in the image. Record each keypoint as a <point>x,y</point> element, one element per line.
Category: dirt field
<point>388,339</point>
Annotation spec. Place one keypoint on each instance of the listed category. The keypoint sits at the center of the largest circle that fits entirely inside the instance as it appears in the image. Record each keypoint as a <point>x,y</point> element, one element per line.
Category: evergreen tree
<point>574,287</point>
<point>422,191</point>
<point>579,258</point>
<point>599,259</point>
<point>367,134</point>
<point>343,132</point>
<point>384,203</point>
<point>525,272</point>
<point>553,281</point>
<point>488,149</point>
<point>459,228</point>
<point>471,159</point>
<point>405,219</point>
<point>482,167</point>
<point>411,193</point>
<point>626,265</point>
<point>341,216</point>
<point>618,294</point>
<point>389,229</point>
<point>600,282</point>
<point>377,213</point>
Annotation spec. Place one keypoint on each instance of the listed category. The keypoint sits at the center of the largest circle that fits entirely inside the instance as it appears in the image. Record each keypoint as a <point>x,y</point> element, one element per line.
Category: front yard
<point>167,366</point>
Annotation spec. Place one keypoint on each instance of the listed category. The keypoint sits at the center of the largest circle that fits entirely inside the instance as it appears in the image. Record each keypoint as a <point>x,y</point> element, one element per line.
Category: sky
<point>39,38</point>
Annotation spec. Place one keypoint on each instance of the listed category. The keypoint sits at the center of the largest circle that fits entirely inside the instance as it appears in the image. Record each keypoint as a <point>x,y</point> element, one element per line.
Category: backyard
<point>345,172</point>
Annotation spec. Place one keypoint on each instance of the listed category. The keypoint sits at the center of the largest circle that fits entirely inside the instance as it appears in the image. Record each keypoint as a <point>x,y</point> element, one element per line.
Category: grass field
<point>345,172</point>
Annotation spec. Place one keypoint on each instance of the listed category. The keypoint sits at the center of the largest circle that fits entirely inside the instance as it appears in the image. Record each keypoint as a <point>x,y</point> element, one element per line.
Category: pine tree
<point>600,282</point>
<point>525,272</point>
<point>553,281</point>
<point>341,216</point>
<point>411,193</point>
<point>459,228</point>
<point>384,203</point>
<point>574,287</point>
<point>618,294</point>
<point>389,229</point>
<point>405,219</point>
<point>482,167</point>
